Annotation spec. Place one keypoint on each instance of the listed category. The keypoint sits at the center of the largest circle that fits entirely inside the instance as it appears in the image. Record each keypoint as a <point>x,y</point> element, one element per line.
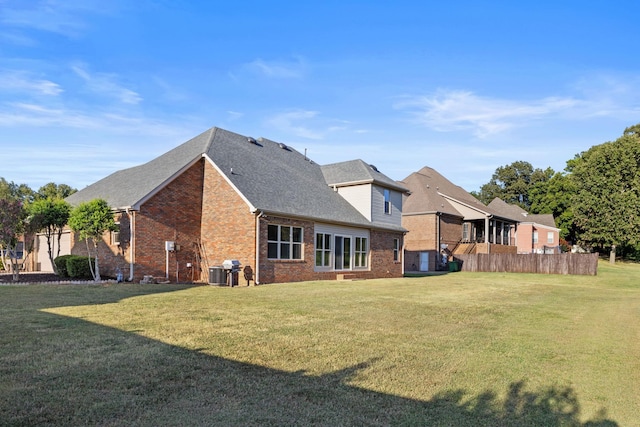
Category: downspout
<point>256,277</point>
<point>404,235</point>
<point>438,237</point>
<point>132,240</point>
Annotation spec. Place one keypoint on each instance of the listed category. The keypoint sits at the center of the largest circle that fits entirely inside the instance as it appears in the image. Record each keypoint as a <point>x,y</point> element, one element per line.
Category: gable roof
<point>514,212</point>
<point>521,215</point>
<point>128,188</point>
<point>270,176</point>
<point>433,193</point>
<point>355,172</point>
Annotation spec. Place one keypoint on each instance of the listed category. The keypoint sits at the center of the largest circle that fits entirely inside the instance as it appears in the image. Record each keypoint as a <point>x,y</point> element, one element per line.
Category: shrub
<point>78,267</point>
<point>61,265</point>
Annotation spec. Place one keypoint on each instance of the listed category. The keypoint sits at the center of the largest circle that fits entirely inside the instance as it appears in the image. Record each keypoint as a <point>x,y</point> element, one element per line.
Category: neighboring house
<point>443,220</point>
<point>223,196</point>
<point>536,233</point>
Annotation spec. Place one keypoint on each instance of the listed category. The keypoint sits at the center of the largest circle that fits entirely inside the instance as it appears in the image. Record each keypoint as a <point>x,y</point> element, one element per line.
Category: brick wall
<point>274,271</point>
<point>277,271</point>
<point>422,231</point>
<point>450,230</point>
<point>382,263</point>
<point>228,227</point>
<point>423,237</point>
<point>173,214</point>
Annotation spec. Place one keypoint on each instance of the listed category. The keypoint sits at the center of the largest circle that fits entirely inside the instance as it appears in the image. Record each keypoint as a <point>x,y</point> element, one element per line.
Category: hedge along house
<point>443,220</point>
<point>222,196</point>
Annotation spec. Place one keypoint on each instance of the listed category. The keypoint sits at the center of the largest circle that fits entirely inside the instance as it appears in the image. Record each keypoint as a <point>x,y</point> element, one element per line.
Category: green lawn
<point>460,349</point>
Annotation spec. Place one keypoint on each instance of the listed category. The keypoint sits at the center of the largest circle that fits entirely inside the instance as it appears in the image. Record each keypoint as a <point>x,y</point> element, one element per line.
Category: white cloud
<point>105,84</point>
<point>20,81</point>
<point>598,95</point>
<point>278,69</point>
<point>20,114</point>
<point>289,122</point>
<point>57,16</point>
<point>234,115</point>
<point>463,110</point>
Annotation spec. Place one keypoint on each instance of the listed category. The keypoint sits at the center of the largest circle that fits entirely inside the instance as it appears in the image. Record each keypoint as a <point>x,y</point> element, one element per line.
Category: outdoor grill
<point>232,266</point>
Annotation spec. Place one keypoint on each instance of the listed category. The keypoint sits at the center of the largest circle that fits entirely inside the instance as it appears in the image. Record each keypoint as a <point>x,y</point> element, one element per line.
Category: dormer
<point>376,196</point>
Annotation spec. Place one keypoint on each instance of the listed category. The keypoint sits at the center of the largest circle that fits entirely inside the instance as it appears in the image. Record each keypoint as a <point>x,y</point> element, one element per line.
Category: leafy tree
<point>554,196</point>
<point>11,190</point>
<point>606,204</point>
<point>91,220</point>
<point>11,226</point>
<point>512,183</point>
<point>50,215</point>
<point>55,191</point>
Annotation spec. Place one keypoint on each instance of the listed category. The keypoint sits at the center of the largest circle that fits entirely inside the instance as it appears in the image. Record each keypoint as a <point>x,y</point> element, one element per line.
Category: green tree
<point>50,215</point>
<point>55,191</point>
<point>606,204</point>
<point>11,190</point>
<point>91,220</point>
<point>554,196</point>
<point>12,217</point>
<point>512,183</point>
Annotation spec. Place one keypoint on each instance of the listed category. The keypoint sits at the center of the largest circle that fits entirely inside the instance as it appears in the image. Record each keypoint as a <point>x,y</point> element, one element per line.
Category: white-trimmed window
<point>115,235</point>
<point>284,242</point>
<point>396,249</point>
<point>535,237</point>
<point>323,250</point>
<point>465,232</point>
<point>550,237</point>
<point>339,248</point>
<point>387,201</point>
<point>361,252</point>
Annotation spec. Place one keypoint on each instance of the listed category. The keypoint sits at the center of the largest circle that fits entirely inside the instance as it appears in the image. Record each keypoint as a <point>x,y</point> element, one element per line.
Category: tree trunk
<point>612,254</point>
<point>97,269</point>
<point>50,252</point>
<point>15,270</point>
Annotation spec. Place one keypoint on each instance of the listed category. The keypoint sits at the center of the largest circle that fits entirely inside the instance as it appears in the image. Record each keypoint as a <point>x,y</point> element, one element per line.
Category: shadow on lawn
<point>80,373</point>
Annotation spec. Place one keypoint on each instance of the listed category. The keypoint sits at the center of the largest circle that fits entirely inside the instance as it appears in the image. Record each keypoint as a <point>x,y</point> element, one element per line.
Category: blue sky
<point>90,87</point>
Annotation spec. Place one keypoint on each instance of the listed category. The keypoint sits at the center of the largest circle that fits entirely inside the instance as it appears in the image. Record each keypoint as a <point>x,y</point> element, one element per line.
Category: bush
<point>61,265</point>
<point>78,267</point>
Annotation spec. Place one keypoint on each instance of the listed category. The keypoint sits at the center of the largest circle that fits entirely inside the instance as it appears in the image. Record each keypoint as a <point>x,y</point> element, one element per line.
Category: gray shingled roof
<point>128,187</point>
<point>358,171</point>
<point>516,213</point>
<point>271,176</point>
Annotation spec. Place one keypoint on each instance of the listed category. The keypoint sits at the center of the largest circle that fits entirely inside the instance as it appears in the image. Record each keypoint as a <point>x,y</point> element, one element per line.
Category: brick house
<point>223,196</point>
<point>443,220</point>
<point>536,233</point>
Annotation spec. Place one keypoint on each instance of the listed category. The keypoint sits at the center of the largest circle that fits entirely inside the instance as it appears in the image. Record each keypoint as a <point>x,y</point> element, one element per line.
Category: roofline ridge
<point>212,135</point>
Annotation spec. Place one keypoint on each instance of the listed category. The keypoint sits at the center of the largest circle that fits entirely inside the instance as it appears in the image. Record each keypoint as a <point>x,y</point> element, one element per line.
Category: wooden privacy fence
<point>566,263</point>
